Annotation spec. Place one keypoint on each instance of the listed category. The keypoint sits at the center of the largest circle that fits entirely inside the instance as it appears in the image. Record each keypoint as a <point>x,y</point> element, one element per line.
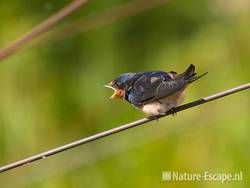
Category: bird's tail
<point>190,75</point>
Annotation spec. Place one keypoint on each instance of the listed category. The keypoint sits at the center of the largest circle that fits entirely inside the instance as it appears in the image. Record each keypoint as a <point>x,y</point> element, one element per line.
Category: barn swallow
<point>153,92</point>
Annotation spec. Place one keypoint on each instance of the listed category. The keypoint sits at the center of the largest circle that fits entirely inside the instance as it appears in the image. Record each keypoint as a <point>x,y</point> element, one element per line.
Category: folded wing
<point>152,86</point>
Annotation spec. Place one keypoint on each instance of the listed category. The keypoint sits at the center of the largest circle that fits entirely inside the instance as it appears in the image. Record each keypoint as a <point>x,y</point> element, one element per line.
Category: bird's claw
<point>172,112</point>
<point>156,117</point>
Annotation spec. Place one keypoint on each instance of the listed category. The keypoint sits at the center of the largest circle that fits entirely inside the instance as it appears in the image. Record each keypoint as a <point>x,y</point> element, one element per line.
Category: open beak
<point>118,93</point>
<point>109,86</point>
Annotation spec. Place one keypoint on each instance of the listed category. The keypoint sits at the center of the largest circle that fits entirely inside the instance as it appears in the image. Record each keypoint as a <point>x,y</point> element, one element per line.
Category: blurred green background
<point>52,94</point>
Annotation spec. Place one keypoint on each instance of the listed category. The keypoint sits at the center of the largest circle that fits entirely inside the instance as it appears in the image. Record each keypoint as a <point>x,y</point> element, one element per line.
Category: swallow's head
<point>121,84</point>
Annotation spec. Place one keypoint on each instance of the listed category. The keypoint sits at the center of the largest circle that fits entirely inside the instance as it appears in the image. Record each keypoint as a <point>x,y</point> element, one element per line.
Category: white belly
<point>163,105</point>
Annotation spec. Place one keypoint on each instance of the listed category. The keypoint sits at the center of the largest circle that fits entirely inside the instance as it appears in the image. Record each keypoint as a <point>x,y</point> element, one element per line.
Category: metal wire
<point>121,128</point>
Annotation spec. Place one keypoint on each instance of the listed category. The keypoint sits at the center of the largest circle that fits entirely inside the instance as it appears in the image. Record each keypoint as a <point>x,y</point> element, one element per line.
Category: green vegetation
<point>52,94</point>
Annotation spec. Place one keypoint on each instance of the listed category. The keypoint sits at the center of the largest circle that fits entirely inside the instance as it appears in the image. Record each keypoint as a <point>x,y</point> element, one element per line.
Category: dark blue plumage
<point>152,87</point>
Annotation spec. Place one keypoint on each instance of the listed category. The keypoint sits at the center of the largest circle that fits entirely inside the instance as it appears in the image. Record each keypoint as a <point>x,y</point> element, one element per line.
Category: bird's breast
<point>161,106</point>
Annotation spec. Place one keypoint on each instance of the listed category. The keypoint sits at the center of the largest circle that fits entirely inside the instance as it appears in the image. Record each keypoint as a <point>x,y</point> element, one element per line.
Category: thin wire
<point>41,28</point>
<point>120,128</point>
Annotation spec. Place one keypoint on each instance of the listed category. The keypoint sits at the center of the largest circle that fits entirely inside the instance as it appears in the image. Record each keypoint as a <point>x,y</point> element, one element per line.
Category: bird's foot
<point>172,112</point>
<point>156,117</point>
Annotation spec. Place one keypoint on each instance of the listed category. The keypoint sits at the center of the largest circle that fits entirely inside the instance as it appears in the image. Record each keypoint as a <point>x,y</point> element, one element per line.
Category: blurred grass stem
<point>41,28</point>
